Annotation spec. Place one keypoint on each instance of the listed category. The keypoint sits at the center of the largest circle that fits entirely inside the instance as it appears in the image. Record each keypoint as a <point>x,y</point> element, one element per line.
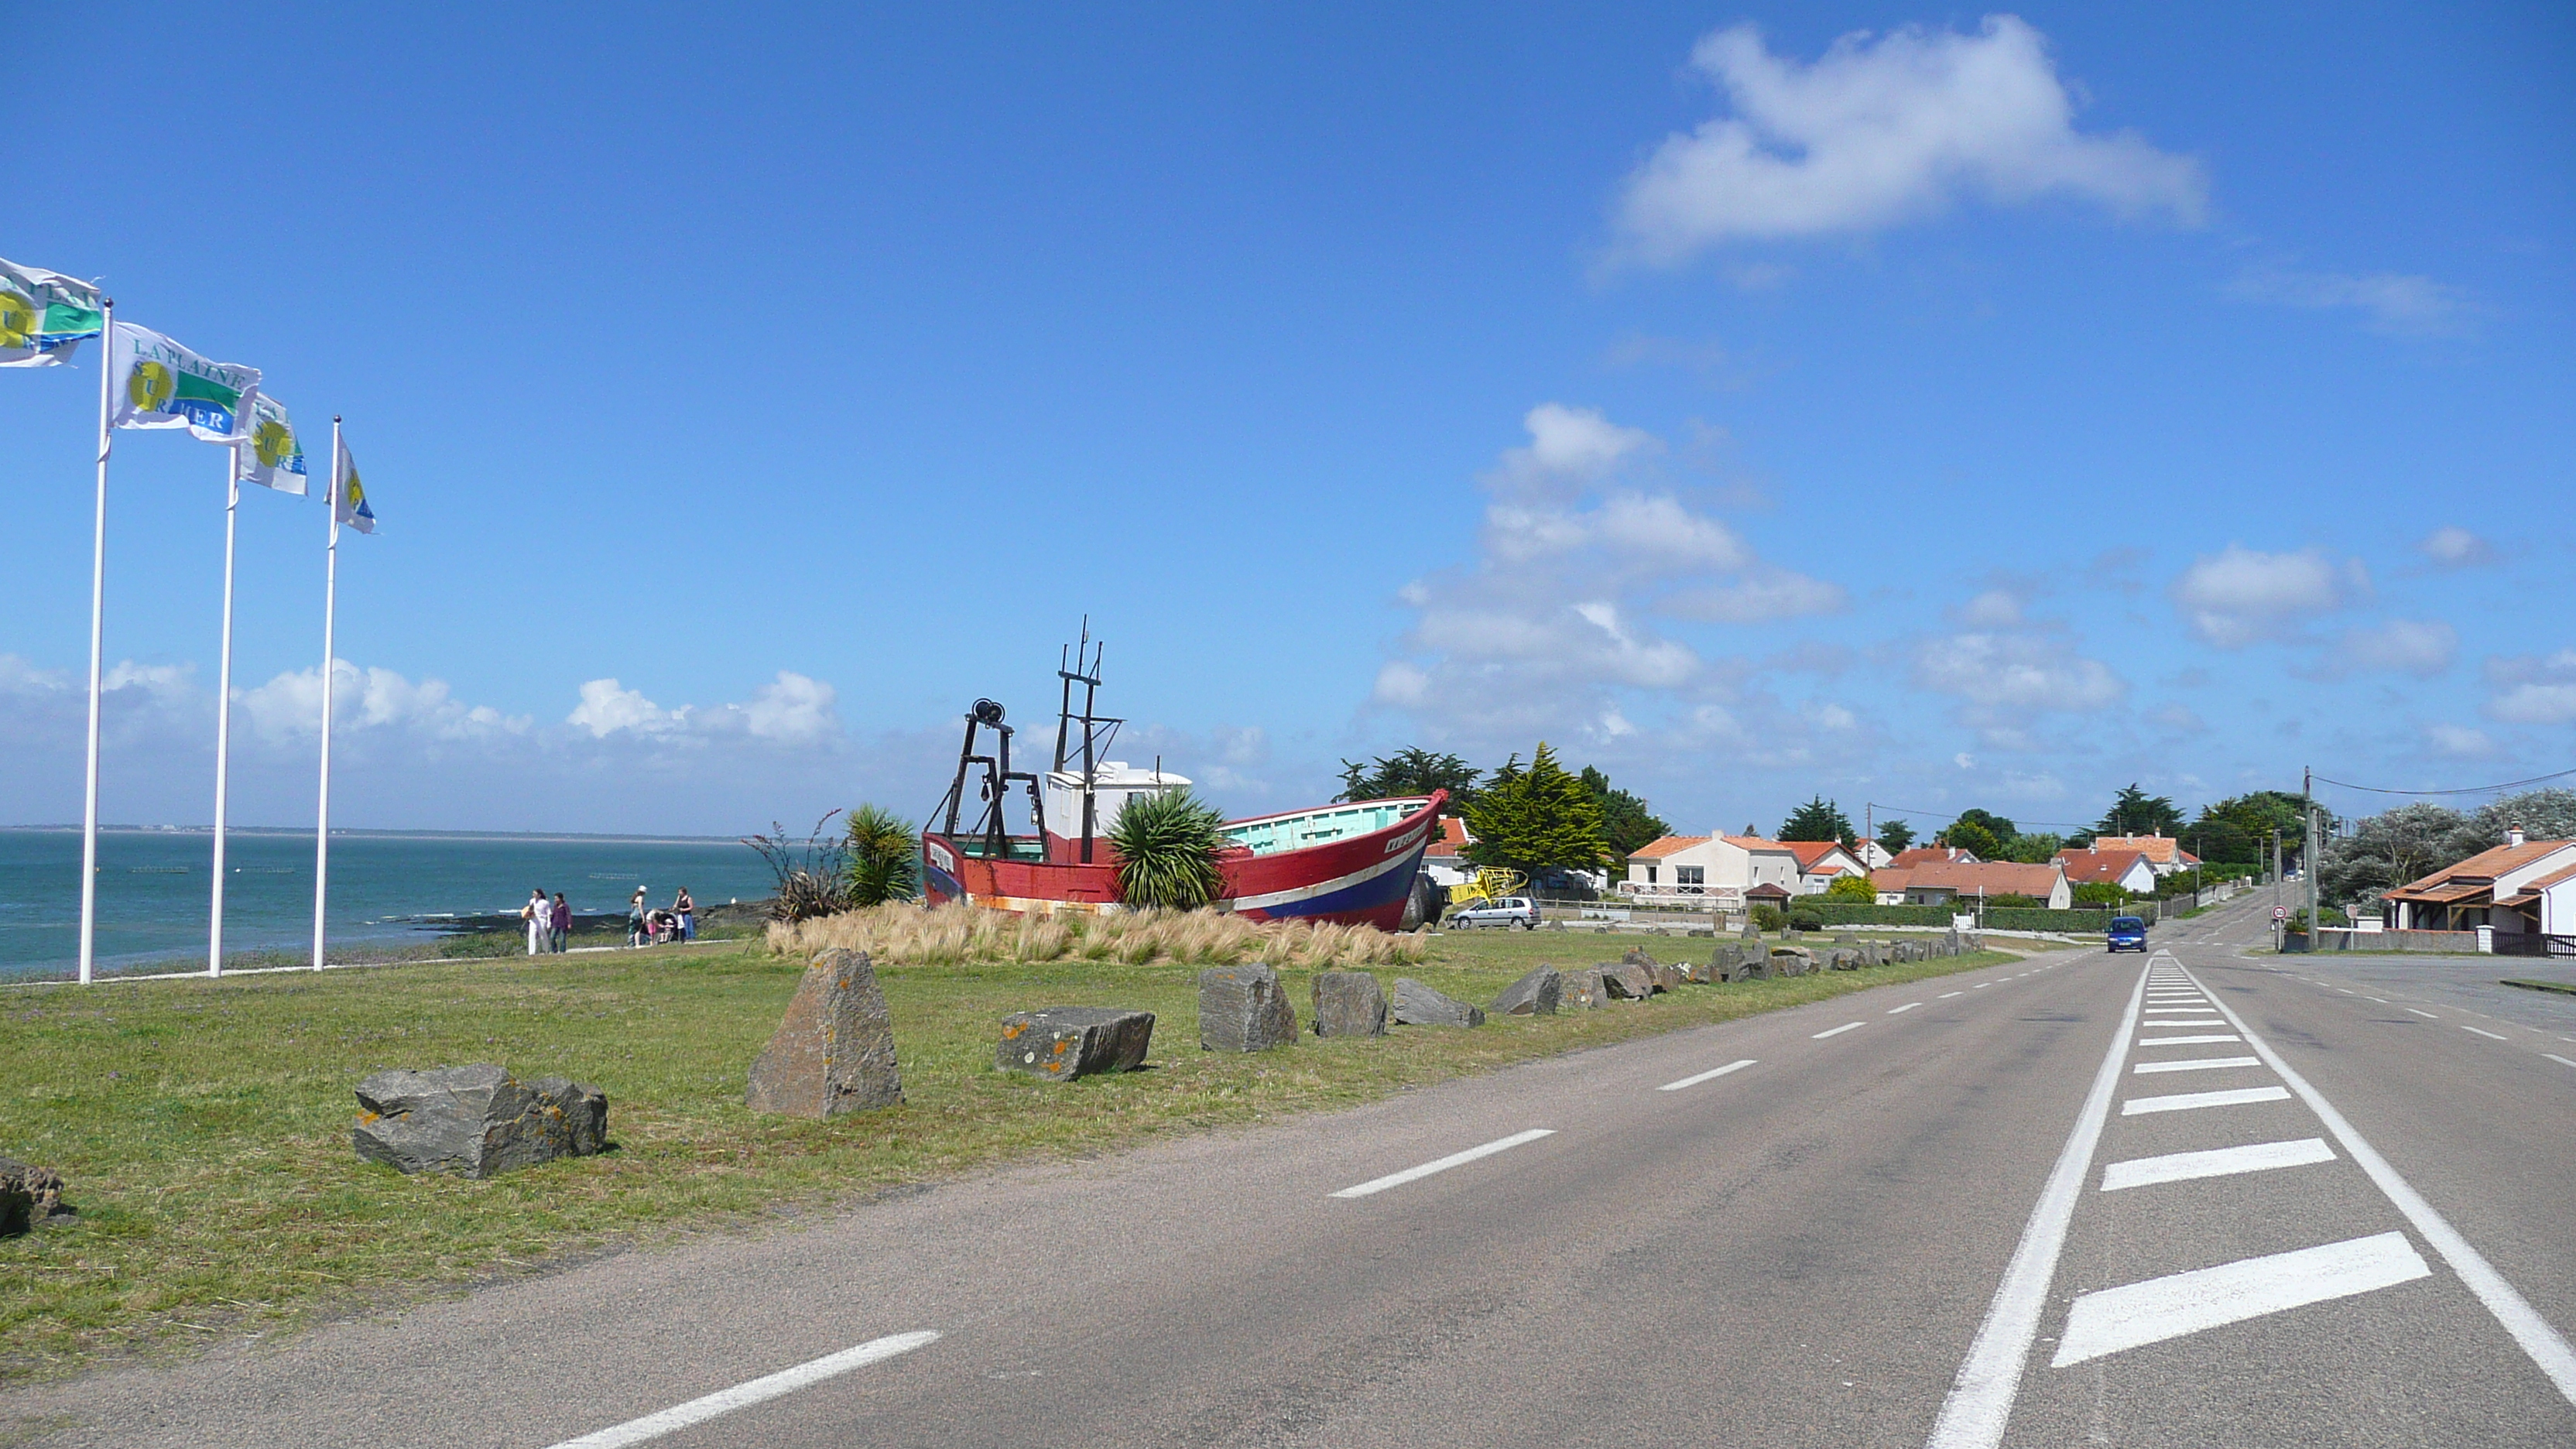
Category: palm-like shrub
<point>880,855</point>
<point>1167,848</point>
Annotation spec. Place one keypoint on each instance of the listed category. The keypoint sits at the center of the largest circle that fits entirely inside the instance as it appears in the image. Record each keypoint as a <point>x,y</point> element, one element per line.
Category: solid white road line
<point>725,1401</point>
<point>1981,1397</point>
<point>2186,1040</point>
<point>2490,1035</point>
<point>2196,1064</point>
<point>1835,1031</point>
<point>1898,1010</point>
<point>1454,1159</point>
<point>2187,1101</point>
<point>1705,1076</point>
<point>2217,1162</point>
<point>2161,1308</point>
<point>2546,1346</point>
<point>2419,1011</point>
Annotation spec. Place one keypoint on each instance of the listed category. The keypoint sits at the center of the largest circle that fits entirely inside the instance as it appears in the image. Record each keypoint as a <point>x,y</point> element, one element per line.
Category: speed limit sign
<point>2280,913</point>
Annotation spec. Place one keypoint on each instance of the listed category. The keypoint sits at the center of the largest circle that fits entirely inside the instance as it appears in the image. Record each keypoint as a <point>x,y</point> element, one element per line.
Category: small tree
<point>1537,819</point>
<point>1894,836</point>
<point>811,876</point>
<point>1411,771</point>
<point>1818,819</point>
<point>2101,893</point>
<point>1973,838</point>
<point>880,856</point>
<point>2135,812</point>
<point>1852,888</point>
<point>1167,847</point>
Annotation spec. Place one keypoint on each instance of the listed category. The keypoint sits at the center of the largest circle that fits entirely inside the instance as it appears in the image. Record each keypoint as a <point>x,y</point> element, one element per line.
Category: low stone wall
<point>2447,943</point>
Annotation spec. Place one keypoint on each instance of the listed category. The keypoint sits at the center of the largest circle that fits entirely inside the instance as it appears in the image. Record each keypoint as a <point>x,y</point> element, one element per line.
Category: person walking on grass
<point>540,917</point>
<point>687,910</point>
<point>563,923</point>
<point>635,918</point>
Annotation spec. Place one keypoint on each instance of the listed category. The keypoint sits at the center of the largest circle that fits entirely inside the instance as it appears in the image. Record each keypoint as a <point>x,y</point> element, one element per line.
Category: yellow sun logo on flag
<point>18,320</point>
<point>150,387</point>
<point>274,442</point>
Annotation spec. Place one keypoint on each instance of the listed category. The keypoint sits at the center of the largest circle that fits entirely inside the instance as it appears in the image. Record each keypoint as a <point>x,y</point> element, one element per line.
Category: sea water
<point>155,887</point>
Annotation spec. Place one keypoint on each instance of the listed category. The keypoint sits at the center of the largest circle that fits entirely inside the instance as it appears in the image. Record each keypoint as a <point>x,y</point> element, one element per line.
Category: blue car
<point>2127,933</point>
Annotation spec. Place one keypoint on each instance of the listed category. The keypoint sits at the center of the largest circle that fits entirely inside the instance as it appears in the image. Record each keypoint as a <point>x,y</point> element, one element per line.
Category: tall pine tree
<point>1536,819</point>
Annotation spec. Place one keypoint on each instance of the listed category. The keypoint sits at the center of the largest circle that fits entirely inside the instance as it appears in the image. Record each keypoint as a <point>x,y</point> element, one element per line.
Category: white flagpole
<point>330,604</point>
<point>224,715</point>
<point>97,596</point>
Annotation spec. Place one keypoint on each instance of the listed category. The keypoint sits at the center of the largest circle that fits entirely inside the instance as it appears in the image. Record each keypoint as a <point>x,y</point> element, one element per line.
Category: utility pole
<point>2276,887</point>
<point>2308,855</point>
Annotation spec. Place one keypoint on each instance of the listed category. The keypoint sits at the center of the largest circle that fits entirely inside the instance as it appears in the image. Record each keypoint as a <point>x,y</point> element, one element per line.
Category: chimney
<point>2513,835</point>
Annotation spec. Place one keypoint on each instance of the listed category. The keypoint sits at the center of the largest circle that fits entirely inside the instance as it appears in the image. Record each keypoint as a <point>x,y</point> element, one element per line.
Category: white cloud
<point>1879,131</point>
<point>1993,609</point>
<point>2459,741</point>
<point>2454,547</point>
<point>2178,718</point>
<point>1554,620</point>
<point>2240,595</point>
<point>2003,680</point>
<point>290,706</point>
<point>1570,449</point>
<point>606,708</point>
<point>2394,303</point>
<point>2535,690</point>
<point>2407,646</point>
<point>791,710</point>
<point>1760,596</point>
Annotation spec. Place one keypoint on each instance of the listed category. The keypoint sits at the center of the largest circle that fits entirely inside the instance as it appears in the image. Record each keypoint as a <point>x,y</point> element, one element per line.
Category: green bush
<point>1167,847</point>
<point>1806,920</point>
<point>1852,888</point>
<point>1769,918</point>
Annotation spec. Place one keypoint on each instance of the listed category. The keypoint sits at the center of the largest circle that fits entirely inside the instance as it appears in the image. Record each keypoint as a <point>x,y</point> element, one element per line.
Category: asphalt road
<point>1934,1213</point>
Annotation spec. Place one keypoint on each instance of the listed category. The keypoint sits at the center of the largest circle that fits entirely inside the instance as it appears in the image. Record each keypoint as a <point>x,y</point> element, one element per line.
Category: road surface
<point>2196,1198</point>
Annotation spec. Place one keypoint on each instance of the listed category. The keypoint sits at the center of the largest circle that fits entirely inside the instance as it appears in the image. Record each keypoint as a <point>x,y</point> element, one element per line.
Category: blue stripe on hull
<point>1385,888</point>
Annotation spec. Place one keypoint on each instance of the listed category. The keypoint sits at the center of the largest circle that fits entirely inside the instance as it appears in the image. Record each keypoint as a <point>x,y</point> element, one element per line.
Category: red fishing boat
<point>1356,863</point>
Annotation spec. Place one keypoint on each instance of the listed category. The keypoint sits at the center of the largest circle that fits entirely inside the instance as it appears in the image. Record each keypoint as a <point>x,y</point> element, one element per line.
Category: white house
<point>1718,869</point>
<point>2164,853</point>
<point>1872,854</point>
<point>2519,887</point>
<point>2128,869</point>
<point>1820,862</point>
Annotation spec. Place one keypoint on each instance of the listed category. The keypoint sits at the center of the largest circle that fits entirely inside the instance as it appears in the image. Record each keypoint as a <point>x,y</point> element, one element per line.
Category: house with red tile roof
<point>1445,858</point>
<point>1960,883</point>
<point>2522,887</point>
<point>1820,862</point>
<point>1931,855</point>
<point>2162,851</point>
<point>2128,869</point>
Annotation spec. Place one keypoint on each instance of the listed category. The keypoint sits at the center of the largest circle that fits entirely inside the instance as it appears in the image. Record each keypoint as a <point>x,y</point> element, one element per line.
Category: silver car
<point>1518,911</point>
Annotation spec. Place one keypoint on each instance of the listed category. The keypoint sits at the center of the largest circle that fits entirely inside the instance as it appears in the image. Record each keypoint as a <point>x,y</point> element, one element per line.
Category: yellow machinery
<point>1492,883</point>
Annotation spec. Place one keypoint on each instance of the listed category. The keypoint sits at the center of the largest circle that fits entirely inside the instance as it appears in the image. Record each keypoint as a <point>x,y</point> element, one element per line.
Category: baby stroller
<point>661,928</point>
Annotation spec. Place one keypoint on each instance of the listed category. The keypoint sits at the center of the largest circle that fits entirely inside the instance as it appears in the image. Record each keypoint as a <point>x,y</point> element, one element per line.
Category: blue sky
<point>1920,407</point>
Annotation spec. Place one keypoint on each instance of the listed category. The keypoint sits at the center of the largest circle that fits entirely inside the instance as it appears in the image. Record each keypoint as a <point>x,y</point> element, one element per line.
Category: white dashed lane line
<point>2419,1011</point>
<point>1454,1159</point>
<point>1946,995</point>
<point>2555,1057</point>
<point>2482,1031</point>
<point>2187,1101</point>
<point>1706,1076</point>
<point>2160,1308</point>
<point>740,1396</point>
<point>1836,1031</point>
<point>2198,1064</point>
<point>1897,1010</point>
<point>2217,1162</point>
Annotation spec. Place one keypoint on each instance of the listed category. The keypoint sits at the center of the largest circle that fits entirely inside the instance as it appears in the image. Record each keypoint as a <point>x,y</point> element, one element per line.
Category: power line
<point>2472,790</point>
<point>1895,811</point>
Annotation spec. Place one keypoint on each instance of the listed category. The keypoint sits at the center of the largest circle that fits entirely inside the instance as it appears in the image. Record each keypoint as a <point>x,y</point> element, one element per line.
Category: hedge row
<point>2002,918</point>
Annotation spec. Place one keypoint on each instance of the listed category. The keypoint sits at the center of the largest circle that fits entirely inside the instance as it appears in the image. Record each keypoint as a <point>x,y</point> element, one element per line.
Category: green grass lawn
<point>203,1127</point>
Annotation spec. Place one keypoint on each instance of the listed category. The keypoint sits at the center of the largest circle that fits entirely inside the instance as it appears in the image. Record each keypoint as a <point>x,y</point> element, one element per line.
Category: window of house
<point>1650,875</point>
<point>1690,875</point>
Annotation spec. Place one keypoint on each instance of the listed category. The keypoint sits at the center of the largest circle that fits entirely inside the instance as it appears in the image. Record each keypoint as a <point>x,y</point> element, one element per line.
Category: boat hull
<point>1363,879</point>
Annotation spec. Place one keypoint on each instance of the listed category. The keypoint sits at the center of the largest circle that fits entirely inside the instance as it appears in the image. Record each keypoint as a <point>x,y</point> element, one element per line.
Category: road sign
<point>2280,913</point>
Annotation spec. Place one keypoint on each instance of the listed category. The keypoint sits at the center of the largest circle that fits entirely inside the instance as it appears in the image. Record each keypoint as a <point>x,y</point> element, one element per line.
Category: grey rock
<point>475,1121</point>
<point>1349,1003</point>
<point>1667,977</point>
<point>1703,931</point>
<point>1582,990</point>
<point>1792,961</point>
<point>1843,958</point>
<point>1419,1005</point>
<point>1751,932</point>
<point>1244,1009</point>
<point>1626,983</point>
<point>833,1052</point>
<point>1707,973</point>
<point>1536,994</point>
<point>1845,938</point>
<point>1751,964</point>
<point>28,1197</point>
<point>1637,956</point>
<point>1060,1043</point>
